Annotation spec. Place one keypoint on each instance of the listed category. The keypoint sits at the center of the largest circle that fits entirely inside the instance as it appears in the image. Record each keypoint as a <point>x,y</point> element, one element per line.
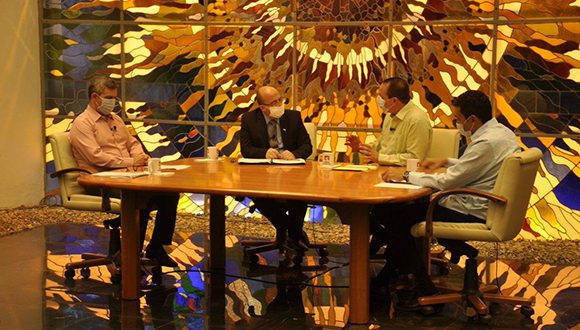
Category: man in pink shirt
<point>101,141</point>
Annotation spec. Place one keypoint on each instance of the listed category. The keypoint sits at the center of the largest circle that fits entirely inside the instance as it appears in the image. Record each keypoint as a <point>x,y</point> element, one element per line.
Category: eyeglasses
<point>277,102</point>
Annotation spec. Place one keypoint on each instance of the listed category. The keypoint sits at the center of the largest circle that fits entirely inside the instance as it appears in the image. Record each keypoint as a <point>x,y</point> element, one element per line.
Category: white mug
<point>212,152</point>
<point>413,164</point>
<point>154,166</point>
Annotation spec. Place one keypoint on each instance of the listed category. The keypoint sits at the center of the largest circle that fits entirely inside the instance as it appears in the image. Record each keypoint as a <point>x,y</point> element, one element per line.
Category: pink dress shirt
<point>101,143</point>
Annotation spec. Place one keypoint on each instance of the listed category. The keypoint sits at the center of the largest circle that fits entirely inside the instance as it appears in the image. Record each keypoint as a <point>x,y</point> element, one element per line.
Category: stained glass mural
<point>189,69</point>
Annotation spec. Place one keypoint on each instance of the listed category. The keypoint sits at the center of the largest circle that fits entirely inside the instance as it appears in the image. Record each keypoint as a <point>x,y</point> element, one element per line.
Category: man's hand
<point>140,160</point>
<point>354,142</point>
<point>287,155</point>
<point>432,164</point>
<point>393,174</point>
<point>371,154</point>
<point>273,154</point>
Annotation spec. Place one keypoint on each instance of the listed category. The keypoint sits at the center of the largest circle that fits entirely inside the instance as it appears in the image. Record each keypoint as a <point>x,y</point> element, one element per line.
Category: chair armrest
<point>464,191</point>
<point>67,170</point>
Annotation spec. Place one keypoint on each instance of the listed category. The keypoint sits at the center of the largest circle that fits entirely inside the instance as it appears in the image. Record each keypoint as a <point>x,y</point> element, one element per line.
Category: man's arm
<point>469,167</point>
<point>304,146</point>
<point>246,146</point>
<point>84,143</point>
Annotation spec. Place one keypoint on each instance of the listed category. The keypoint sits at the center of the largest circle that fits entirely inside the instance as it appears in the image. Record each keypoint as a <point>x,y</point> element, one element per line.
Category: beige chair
<point>444,143</point>
<point>507,208</point>
<point>311,129</point>
<point>75,197</point>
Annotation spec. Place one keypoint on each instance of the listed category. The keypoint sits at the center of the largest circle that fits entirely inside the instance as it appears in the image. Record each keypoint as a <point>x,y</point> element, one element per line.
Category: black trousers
<point>392,223</point>
<point>166,206</point>
<point>285,215</point>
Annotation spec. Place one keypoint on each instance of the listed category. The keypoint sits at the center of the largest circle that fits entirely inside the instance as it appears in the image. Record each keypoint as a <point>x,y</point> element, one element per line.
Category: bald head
<point>267,95</point>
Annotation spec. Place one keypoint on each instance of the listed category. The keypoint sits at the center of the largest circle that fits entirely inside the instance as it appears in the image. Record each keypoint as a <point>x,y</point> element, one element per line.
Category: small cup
<point>326,159</point>
<point>413,164</point>
<point>212,152</point>
<point>154,166</point>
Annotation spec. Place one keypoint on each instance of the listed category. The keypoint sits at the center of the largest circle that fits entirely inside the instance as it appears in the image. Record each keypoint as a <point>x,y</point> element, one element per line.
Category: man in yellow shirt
<point>406,130</point>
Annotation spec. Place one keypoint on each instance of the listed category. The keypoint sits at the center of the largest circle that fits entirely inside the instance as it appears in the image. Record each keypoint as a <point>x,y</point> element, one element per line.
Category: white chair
<point>507,208</point>
<point>444,143</point>
<point>311,129</point>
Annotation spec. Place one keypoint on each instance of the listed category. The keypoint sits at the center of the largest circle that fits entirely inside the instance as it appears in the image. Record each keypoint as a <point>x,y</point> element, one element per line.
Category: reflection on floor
<point>280,297</point>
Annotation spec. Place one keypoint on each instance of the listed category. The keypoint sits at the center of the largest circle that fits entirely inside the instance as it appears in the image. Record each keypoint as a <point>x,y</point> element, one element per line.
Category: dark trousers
<point>392,223</point>
<point>166,206</point>
<point>285,215</point>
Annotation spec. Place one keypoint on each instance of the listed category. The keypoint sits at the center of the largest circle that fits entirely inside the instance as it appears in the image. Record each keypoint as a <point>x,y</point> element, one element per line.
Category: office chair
<point>75,197</point>
<point>254,247</point>
<point>507,208</point>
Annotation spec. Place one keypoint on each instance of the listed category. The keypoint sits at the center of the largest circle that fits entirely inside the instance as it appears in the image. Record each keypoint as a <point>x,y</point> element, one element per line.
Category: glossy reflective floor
<point>35,295</point>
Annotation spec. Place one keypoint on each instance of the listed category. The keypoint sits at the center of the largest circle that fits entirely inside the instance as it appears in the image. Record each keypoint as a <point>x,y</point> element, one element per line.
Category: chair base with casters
<point>477,297</point>
<point>112,260</point>
<point>253,247</point>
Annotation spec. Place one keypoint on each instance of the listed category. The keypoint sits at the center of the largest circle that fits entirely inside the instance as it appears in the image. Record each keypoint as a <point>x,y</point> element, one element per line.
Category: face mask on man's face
<point>276,111</point>
<point>381,103</point>
<point>107,105</point>
<point>463,131</point>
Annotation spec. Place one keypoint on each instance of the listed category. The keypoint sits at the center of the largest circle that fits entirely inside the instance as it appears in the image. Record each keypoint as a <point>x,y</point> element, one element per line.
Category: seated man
<point>406,132</point>
<point>274,133</point>
<point>100,141</point>
<point>491,142</point>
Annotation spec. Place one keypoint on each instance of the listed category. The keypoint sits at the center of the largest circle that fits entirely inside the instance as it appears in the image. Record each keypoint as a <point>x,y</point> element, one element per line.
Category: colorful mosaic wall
<point>189,69</point>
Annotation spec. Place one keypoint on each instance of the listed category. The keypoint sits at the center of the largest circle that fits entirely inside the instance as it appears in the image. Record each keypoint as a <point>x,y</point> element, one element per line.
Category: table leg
<point>357,216</point>
<point>129,245</point>
<point>216,262</point>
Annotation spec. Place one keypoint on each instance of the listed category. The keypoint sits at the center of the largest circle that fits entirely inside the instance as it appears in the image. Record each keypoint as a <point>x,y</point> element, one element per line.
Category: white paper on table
<point>117,174</point>
<point>174,167</point>
<point>397,185</point>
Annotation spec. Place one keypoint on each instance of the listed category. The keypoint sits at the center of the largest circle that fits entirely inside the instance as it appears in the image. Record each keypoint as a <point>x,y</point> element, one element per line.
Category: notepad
<point>353,167</point>
<point>173,167</point>
<point>116,174</point>
<point>249,161</point>
<point>397,185</point>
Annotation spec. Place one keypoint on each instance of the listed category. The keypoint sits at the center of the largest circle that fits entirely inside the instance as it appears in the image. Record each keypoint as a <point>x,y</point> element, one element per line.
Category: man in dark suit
<point>274,133</point>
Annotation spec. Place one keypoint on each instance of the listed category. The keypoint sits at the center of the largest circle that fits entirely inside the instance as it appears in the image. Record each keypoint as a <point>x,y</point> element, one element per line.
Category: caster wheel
<point>427,310</point>
<point>69,274</point>
<point>116,278</point>
<point>253,259</point>
<point>485,319</point>
<point>322,253</point>
<point>86,272</point>
<point>527,311</point>
<point>297,260</point>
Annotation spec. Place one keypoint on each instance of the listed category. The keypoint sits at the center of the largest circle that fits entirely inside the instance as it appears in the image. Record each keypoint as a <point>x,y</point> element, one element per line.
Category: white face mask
<point>107,105</point>
<point>276,111</point>
<point>381,103</point>
<point>462,130</point>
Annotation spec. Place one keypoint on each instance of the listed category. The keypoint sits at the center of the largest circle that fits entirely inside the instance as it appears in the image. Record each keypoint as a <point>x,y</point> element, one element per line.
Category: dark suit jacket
<point>254,140</point>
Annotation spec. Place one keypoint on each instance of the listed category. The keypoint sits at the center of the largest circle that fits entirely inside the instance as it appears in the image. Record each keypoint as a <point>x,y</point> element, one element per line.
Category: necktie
<point>272,133</point>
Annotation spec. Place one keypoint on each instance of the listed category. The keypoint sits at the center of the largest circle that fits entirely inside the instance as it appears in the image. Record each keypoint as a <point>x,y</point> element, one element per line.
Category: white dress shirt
<point>477,168</point>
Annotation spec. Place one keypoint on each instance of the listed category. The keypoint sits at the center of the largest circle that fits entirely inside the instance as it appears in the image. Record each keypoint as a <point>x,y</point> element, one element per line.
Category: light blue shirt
<point>477,168</point>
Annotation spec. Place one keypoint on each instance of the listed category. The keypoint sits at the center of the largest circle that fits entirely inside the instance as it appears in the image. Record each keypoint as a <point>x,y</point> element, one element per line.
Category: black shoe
<point>299,246</point>
<point>158,254</point>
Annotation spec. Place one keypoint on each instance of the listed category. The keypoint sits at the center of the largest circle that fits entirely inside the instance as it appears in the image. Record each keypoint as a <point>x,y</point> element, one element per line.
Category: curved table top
<point>300,182</point>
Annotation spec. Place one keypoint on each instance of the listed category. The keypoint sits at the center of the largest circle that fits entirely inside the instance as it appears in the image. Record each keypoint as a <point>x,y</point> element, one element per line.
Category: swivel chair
<point>507,208</point>
<point>75,197</point>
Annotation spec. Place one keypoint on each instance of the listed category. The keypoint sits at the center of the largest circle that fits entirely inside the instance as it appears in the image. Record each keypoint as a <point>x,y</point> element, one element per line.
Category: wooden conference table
<point>351,194</point>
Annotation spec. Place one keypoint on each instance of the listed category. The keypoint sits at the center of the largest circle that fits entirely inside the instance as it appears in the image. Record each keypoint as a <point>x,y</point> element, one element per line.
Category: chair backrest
<point>444,143</point>
<point>515,181</point>
<point>73,195</point>
<point>311,129</point>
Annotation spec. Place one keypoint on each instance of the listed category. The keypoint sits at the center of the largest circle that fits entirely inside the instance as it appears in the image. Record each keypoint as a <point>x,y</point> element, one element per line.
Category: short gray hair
<point>98,84</point>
